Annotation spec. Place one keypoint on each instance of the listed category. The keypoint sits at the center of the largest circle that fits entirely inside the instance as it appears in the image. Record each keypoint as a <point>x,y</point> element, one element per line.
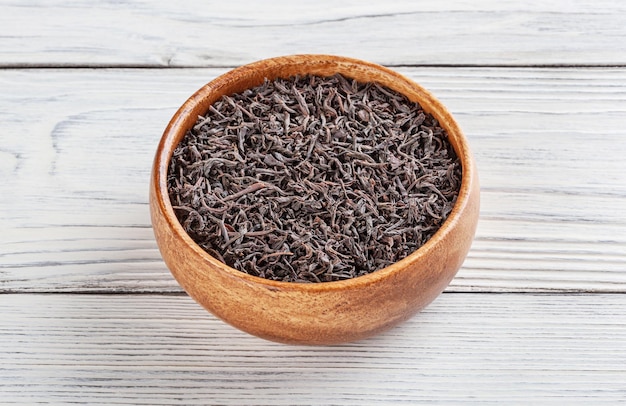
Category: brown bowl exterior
<point>328,312</point>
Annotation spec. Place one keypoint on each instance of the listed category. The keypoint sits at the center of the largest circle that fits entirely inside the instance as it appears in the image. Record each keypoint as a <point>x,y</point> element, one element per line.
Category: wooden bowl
<point>313,313</point>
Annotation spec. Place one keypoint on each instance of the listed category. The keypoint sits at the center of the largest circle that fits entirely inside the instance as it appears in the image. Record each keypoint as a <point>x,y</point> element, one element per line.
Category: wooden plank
<point>398,32</point>
<point>77,145</point>
<point>464,348</point>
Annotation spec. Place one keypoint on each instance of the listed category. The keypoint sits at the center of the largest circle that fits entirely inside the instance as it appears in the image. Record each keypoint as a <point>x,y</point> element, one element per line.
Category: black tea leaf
<point>313,179</point>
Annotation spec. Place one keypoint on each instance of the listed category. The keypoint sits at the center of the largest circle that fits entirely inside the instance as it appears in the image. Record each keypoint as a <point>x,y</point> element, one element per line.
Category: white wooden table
<point>90,314</point>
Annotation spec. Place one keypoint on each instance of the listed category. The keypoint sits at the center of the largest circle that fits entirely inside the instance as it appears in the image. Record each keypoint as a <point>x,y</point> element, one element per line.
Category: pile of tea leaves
<point>313,179</point>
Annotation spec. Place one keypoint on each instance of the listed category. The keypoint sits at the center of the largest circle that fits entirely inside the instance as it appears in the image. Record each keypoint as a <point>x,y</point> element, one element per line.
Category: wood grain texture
<point>77,147</point>
<point>464,348</point>
<point>399,32</point>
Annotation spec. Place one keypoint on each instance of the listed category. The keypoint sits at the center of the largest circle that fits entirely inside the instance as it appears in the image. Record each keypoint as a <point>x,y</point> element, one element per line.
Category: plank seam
<point>149,292</point>
<point>21,66</point>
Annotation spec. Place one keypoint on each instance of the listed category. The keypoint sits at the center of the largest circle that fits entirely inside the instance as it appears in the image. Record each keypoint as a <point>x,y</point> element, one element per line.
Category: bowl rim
<point>176,125</point>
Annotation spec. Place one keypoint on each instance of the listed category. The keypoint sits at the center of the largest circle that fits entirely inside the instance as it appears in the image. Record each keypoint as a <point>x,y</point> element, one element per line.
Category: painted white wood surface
<point>77,146</point>
<point>465,348</point>
<point>224,33</point>
<point>90,315</point>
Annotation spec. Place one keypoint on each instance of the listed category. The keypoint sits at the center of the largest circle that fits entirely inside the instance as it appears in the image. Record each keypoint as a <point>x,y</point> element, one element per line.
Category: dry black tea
<point>313,179</point>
